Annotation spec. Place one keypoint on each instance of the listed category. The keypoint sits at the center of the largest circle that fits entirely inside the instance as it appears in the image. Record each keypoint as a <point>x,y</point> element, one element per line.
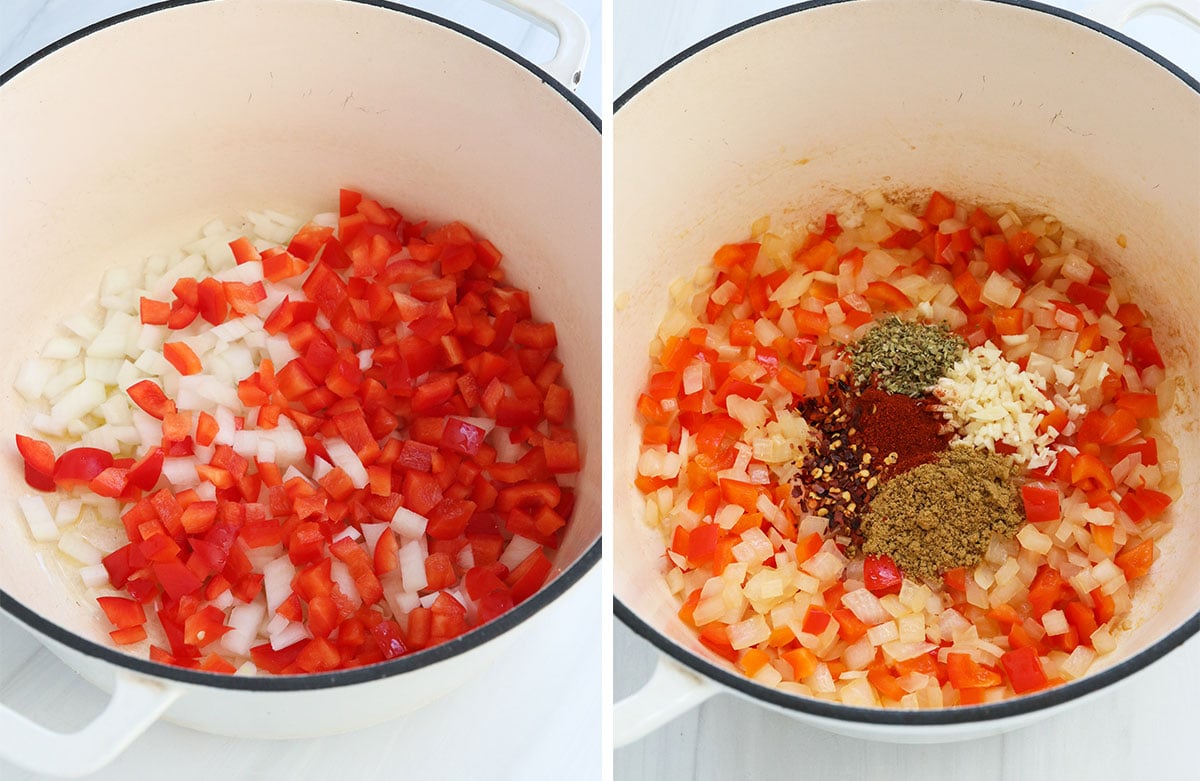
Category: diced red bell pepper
<point>529,576</point>
<point>123,613</point>
<point>390,639</point>
<point>129,635</point>
<point>1142,350</point>
<point>176,579</point>
<point>966,673</point>
<point>153,312</point>
<point>447,618</point>
<point>1046,590</point>
<point>150,397</point>
<point>40,464</point>
<point>182,357</point>
<point>938,209</point>
<point>561,457</point>
<point>807,322</point>
<point>361,569</point>
<point>701,543</point>
<point>243,250</point>
<point>80,465</point>
<point>204,626</point>
<point>318,655</point>
<point>211,302</point>
<point>536,335</point>
<point>887,296</point>
<point>1140,405</point>
<point>462,437</point>
<point>1024,669</point>
<point>439,571</point>
<point>386,556</point>
<point>1041,502</point>
<point>1136,561</point>
<point>515,412</point>
<point>731,255</point>
<point>881,575</point>
<point>145,472</point>
<point>1088,467</point>
<point>969,291</point>
<point>449,518</point>
<point>816,619</point>
<point>111,482</point>
<point>244,298</point>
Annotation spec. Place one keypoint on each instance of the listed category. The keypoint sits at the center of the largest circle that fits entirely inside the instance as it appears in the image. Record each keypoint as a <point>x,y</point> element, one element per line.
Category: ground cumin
<point>942,515</point>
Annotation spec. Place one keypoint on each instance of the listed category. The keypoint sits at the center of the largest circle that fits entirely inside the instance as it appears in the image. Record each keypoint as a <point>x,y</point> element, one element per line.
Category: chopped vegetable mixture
<point>303,448</point>
<point>910,463</point>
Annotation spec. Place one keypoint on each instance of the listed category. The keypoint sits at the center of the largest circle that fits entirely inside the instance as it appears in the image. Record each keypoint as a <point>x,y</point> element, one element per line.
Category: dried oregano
<point>904,357</point>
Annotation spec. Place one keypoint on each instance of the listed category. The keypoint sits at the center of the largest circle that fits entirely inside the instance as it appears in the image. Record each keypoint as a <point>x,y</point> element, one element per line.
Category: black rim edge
<point>459,645</point>
<point>944,716</point>
<point>473,639</point>
<point>912,718</point>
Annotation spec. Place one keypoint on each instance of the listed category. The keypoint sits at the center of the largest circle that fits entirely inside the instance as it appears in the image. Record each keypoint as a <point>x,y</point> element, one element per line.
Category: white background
<point>1144,730</point>
<point>524,720</point>
<point>536,714</point>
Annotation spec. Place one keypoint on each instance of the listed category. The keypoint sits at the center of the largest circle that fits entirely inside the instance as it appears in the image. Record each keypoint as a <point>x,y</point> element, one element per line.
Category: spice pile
<point>904,357</point>
<point>900,424</point>
<point>933,518</point>
<point>943,515</point>
<point>913,463</point>
<point>859,440</point>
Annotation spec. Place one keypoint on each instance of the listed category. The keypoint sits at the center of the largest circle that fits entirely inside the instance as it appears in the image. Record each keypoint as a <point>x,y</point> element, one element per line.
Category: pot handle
<point>1117,13</point>
<point>556,18</point>
<point>671,691</point>
<point>136,703</point>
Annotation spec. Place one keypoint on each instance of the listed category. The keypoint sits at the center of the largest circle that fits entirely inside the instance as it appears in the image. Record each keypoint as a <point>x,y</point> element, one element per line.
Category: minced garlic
<point>987,399</point>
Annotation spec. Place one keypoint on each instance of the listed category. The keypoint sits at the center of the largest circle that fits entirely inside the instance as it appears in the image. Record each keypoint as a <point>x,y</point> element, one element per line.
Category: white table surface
<point>1144,730</point>
<point>536,714</point>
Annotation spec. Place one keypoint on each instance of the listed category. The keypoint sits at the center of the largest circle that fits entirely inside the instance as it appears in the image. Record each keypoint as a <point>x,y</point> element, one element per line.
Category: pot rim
<point>477,637</point>
<point>932,718</point>
<point>1031,5</point>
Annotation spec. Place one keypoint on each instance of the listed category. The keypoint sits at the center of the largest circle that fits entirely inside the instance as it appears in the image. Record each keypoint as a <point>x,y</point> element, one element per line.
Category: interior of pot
<point>988,102</point>
<point>125,142</point>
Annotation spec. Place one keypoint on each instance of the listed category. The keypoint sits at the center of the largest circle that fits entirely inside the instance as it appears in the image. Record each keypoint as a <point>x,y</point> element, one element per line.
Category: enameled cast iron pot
<point>122,140</point>
<point>804,109</point>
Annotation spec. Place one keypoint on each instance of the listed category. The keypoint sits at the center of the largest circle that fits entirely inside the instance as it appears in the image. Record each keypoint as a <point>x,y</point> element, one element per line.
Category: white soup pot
<point>125,140</point>
<point>803,111</point>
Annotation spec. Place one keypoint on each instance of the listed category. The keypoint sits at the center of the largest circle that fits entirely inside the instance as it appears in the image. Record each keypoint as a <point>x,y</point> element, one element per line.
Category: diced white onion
<point>517,550</point>
<point>37,515</point>
<point>883,633</point>
<point>243,621</point>
<point>277,581</point>
<point>408,524</point>
<point>94,576</point>
<point>371,534</point>
<point>74,545</point>
<point>1055,622</point>
<point>344,457</point>
<point>412,566</point>
<point>33,377</point>
<point>67,511</point>
<point>339,573</point>
<point>752,631</point>
<point>865,606</point>
<point>291,634</point>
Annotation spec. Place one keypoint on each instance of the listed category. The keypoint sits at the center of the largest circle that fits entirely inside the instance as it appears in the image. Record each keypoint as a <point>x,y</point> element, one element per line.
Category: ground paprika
<point>907,426</point>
